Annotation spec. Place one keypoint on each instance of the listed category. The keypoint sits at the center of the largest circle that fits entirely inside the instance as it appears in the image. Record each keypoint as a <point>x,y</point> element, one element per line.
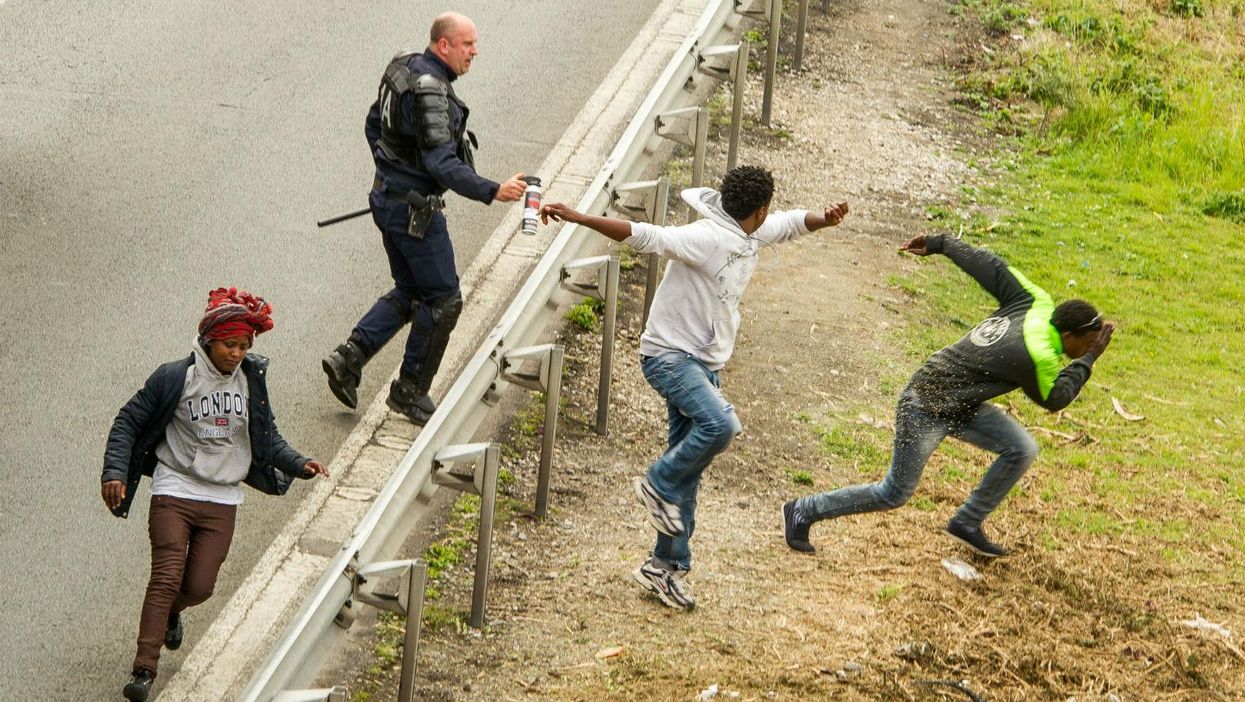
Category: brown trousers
<point>189,542</point>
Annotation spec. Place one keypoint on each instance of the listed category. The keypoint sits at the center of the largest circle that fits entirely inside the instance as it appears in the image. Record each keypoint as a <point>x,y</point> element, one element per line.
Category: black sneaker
<point>662,513</point>
<point>795,530</point>
<point>139,686</point>
<point>173,632</point>
<point>669,585</point>
<point>974,538</point>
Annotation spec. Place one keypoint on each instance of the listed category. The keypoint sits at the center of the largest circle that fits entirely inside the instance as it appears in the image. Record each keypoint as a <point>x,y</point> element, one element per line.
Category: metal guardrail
<point>387,523</point>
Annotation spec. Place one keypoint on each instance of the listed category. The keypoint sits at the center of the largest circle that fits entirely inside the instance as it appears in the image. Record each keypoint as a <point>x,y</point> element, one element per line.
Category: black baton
<point>343,217</point>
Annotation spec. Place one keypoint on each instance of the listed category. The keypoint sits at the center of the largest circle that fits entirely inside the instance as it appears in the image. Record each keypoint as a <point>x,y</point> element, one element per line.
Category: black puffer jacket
<point>139,429</point>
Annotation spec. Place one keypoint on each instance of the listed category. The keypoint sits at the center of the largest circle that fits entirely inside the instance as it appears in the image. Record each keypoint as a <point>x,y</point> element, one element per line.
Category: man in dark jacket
<point>1019,345</point>
<point>199,427</point>
<point>417,131</point>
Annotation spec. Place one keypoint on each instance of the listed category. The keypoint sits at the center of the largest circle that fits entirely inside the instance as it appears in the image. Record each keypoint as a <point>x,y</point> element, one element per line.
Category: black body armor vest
<point>433,119</point>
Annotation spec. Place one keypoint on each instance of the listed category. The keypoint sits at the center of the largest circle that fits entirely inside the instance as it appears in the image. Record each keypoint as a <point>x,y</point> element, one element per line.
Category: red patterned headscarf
<point>231,312</point>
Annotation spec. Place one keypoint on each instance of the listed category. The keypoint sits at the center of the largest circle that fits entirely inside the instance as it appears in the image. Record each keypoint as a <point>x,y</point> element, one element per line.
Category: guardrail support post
<point>740,70</point>
<point>771,62</point>
<point>655,198</point>
<point>801,25</point>
<point>328,694</point>
<point>737,71</point>
<point>482,482</point>
<point>549,381</point>
<point>416,586</point>
<point>407,601</point>
<point>652,262</point>
<point>696,135</point>
<point>605,290</point>
<point>607,345</point>
<point>825,6</point>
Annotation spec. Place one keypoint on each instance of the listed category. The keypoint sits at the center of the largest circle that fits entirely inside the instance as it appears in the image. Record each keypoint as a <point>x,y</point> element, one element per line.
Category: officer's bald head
<point>453,39</point>
<point>447,24</point>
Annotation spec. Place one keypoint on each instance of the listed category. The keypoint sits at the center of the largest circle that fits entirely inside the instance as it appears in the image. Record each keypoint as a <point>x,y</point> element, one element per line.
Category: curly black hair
<point>746,189</point>
<point>1076,316</point>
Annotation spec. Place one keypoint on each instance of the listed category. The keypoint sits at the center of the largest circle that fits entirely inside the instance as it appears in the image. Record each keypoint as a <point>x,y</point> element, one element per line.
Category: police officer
<point>417,130</point>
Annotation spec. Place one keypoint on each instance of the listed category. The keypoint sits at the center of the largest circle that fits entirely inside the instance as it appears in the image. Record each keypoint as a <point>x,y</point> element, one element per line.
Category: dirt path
<point>873,615</point>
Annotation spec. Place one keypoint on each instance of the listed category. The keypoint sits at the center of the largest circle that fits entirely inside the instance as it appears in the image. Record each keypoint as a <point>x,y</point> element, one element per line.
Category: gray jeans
<point>917,434</point>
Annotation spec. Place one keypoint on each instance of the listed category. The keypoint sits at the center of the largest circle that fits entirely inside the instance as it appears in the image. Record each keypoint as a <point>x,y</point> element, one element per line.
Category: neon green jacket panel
<point>1016,346</point>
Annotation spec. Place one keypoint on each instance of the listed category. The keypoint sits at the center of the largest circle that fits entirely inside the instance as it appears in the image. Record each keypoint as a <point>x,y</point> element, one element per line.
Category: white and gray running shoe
<point>669,585</point>
<point>662,514</point>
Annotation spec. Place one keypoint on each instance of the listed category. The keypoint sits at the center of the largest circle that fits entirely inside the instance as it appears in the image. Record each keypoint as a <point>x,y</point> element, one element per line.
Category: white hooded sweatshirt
<point>696,307</point>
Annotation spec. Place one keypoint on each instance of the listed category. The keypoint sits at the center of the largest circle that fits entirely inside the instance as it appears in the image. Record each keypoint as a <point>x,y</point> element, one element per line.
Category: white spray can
<point>531,204</point>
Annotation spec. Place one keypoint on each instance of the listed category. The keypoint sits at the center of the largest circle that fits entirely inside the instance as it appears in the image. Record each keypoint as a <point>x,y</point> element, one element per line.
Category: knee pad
<point>401,303</point>
<point>443,311</point>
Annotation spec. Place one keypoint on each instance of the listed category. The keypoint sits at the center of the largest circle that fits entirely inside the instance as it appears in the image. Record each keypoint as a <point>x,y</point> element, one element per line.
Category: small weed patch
<point>584,314</point>
<point>800,477</point>
<point>888,592</point>
<point>1229,206</point>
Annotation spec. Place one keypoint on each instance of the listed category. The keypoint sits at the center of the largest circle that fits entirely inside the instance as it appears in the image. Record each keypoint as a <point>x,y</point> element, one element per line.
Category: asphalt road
<point>151,151</point>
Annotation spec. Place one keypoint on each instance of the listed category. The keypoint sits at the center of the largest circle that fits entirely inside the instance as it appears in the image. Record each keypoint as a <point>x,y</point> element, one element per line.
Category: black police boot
<point>139,686</point>
<point>173,632</point>
<point>408,396</point>
<point>344,367</point>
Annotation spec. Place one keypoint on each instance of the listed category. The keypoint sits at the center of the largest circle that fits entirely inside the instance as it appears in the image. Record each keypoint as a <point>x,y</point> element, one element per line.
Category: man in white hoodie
<point>689,338</point>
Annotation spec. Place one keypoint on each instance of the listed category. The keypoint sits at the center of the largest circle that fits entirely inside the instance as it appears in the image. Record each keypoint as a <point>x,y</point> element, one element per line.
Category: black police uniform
<point>417,130</point>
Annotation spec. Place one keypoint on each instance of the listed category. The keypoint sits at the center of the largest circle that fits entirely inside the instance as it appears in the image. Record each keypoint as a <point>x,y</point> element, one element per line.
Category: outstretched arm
<point>616,229</point>
<point>830,217</point>
<point>990,271</point>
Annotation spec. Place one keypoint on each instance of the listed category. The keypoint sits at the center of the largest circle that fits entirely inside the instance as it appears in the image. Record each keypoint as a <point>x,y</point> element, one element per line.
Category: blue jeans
<point>423,272</point>
<point>917,433</point>
<point>702,424</point>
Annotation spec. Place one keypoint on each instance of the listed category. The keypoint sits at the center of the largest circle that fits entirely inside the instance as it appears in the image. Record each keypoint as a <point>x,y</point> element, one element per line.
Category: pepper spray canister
<point>531,204</point>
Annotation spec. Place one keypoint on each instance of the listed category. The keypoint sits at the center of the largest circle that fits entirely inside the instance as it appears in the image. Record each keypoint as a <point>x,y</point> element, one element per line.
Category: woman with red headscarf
<point>199,427</point>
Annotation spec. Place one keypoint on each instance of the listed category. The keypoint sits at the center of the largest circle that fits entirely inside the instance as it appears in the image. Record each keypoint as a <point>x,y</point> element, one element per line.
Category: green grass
<point>1128,190</point>
<point>800,477</point>
<point>862,447</point>
<point>886,593</point>
<point>584,314</point>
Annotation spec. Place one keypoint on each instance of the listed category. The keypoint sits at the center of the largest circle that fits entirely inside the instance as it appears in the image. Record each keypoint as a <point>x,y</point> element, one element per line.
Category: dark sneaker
<point>412,402</point>
<point>344,368</point>
<point>662,514</point>
<point>795,530</point>
<point>173,632</point>
<point>139,686</point>
<point>974,538</point>
<point>669,585</point>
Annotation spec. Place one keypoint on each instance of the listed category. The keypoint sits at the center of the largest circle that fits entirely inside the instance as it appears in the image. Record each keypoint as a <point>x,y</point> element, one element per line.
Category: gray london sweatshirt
<point>209,439</point>
<point>696,306</point>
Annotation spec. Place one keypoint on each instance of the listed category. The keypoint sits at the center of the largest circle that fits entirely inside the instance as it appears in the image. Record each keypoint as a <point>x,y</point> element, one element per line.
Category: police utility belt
<point>422,206</point>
